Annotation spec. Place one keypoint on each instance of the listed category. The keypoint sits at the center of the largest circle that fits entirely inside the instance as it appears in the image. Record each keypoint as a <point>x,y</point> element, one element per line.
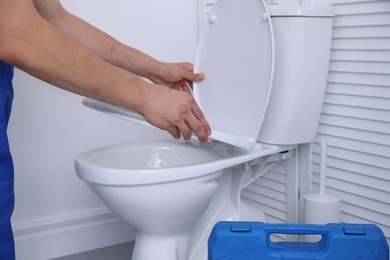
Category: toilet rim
<point>93,173</point>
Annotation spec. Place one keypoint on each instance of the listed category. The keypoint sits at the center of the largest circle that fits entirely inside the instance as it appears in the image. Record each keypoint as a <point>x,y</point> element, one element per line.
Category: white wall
<point>49,127</point>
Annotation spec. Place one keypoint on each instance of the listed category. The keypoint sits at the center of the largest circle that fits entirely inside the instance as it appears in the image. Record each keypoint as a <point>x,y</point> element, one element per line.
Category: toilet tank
<point>302,37</point>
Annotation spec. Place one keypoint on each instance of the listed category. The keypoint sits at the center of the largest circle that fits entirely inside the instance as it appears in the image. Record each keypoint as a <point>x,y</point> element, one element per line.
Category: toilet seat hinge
<point>256,168</point>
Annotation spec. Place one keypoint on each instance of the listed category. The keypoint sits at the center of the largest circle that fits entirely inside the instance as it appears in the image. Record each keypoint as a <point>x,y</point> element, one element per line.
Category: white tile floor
<point>117,252</point>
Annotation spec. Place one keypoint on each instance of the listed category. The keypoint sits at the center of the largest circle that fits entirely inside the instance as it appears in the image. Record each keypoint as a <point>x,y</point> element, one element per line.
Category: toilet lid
<point>236,54</point>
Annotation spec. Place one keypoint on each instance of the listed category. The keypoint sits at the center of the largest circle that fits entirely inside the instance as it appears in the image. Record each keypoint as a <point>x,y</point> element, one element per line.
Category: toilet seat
<point>237,71</point>
<point>135,163</point>
<point>236,52</point>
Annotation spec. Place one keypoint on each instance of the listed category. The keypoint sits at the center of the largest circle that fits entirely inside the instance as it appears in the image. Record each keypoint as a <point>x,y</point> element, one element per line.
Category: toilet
<point>262,95</point>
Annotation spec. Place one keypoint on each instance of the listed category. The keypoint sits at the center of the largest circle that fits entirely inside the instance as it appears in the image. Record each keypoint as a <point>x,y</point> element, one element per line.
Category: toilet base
<point>162,248</point>
<point>176,247</point>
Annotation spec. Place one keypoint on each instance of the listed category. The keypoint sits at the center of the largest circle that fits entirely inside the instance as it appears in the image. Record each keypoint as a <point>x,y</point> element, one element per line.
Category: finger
<point>190,84</point>
<point>177,85</point>
<point>187,87</point>
<point>166,126</point>
<point>174,132</point>
<point>183,85</point>
<point>170,128</point>
<point>199,76</point>
<point>195,77</point>
<point>198,129</point>
<point>202,119</point>
<point>185,131</point>
<point>200,126</point>
<point>190,75</point>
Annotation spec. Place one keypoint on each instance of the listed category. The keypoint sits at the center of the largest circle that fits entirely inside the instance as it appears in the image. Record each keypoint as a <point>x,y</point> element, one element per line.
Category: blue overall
<point>7,251</point>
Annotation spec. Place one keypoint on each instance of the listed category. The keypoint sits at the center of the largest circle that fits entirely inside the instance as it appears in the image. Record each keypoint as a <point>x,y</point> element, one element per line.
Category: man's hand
<point>177,111</point>
<point>174,111</point>
<point>177,76</point>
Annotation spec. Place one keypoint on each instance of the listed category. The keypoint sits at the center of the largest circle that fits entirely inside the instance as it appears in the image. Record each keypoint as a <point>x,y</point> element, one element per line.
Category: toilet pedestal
<point>227,204</point>
<point>161,247</point>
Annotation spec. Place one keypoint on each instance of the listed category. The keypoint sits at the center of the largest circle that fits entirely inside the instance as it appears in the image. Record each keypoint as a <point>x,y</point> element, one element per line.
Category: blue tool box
<point>251,241</point>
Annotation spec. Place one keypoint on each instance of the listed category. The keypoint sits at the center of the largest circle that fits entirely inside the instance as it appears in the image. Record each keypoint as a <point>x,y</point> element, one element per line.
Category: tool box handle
<point>297,229</point>
<point>311,249</point>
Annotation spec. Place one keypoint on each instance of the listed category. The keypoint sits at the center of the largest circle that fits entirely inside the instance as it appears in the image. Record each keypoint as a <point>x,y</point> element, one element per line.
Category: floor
<point>117,252</point>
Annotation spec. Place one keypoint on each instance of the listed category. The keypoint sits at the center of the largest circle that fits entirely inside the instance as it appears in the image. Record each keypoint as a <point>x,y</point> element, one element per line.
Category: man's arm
<point>39,48</point>
<point>111,50</point>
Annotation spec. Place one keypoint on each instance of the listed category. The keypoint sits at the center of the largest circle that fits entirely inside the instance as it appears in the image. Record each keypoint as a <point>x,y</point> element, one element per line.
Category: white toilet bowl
<point>162,189</point>
<point>158,194</point>
<point>173,193</point>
